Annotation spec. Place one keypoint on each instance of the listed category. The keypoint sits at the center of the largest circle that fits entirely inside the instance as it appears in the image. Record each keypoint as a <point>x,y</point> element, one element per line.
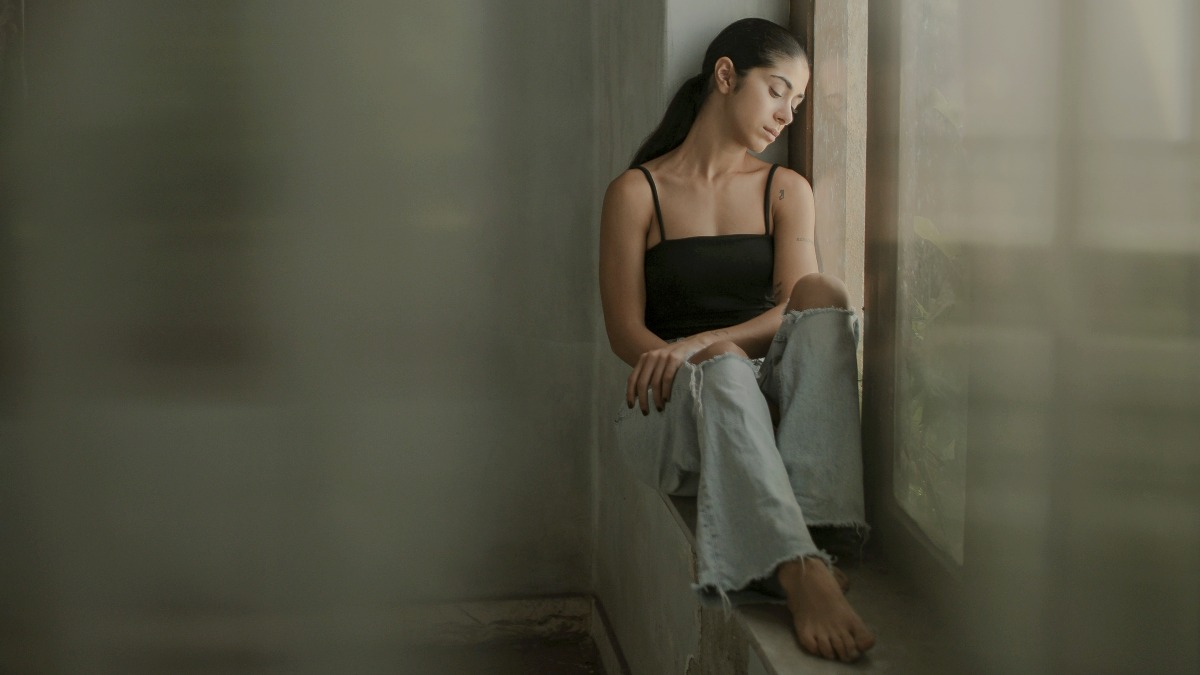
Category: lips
<point>772,134</point>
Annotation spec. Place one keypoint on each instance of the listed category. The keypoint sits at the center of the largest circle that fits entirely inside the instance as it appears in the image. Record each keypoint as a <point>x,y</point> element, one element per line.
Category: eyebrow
<point>785,81</point>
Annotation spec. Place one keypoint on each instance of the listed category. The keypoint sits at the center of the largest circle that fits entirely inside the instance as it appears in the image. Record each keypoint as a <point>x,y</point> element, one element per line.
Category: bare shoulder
<point>793,185</point>
<point>628,200</point>
<point>792,207</point>
<point>630,184</point>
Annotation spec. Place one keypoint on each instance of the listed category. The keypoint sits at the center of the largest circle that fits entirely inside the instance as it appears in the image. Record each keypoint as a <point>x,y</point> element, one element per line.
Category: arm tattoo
<point>780,194</point>
<point>804,239</point>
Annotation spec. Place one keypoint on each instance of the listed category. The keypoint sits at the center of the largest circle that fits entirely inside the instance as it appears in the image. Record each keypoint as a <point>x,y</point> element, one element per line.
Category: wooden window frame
<point>835,35</point>
<point>856,239</point>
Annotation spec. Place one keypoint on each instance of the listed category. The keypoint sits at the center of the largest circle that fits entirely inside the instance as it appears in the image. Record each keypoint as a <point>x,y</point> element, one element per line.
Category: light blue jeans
<point>757,487</point>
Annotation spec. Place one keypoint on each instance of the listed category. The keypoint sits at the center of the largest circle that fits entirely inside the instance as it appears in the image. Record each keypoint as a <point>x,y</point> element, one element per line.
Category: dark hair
<point>749,43</point>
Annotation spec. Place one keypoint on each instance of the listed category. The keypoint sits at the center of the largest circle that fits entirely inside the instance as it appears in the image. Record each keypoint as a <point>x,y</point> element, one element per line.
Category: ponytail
<point>749,43</point>
<point>676,122</point>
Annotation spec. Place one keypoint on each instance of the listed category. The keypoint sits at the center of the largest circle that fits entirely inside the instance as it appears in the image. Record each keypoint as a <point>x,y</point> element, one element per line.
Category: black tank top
<point>704,283</point>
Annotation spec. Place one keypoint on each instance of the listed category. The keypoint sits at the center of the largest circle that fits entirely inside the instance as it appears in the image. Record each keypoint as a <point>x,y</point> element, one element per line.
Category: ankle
<point>795,570</point>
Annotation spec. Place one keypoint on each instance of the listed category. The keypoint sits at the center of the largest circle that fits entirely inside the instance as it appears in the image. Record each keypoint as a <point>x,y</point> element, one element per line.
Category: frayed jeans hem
<point>760,588</point>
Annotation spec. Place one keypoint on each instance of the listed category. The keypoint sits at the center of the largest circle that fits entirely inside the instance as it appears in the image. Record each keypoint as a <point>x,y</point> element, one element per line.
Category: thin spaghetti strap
<point>662,234</point>
<point>767,198</point>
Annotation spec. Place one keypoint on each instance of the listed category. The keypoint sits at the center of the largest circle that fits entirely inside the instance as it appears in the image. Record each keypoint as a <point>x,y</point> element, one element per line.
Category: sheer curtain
<point>1048,332</point>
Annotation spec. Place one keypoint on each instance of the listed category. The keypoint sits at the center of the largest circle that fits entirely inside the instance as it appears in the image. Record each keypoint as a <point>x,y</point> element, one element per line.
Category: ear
<point>725,75</point>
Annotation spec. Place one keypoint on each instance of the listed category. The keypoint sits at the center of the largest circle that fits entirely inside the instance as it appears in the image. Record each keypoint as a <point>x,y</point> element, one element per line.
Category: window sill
<point>906,635</point>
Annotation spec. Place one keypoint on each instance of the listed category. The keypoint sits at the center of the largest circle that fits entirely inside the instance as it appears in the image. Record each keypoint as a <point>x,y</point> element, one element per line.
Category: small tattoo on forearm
<point>780,194</point>
<point>804,239</point>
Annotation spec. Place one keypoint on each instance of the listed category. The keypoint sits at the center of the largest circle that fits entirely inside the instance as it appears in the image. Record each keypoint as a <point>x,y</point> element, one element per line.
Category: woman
<point>707,261</point>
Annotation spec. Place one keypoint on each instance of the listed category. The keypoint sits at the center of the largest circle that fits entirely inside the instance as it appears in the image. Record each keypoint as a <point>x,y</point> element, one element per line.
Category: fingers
<point>655,370</point>
<point>657,383</point>
<point>631,382</point>
<point>645,370</point>
<point>635,386</point>
<point>668,379</point>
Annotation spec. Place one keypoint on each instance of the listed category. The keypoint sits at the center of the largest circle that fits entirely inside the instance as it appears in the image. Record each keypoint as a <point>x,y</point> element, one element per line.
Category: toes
<point>863,637</point>
<point>825,648</point>
<point>843,646</point>
<point>809,642</point>
<point>839,648</point>
<point>848,651</point>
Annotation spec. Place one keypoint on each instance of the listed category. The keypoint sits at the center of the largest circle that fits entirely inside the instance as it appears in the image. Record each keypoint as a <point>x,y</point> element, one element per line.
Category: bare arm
<point>624,224</point>
<point>628,209</point>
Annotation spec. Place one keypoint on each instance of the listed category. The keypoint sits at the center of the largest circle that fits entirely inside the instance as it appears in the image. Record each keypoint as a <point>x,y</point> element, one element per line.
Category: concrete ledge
<point>901,619</point>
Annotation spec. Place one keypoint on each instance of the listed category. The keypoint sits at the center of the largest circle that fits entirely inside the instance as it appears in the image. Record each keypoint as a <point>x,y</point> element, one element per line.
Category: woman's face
<point>766,100</point>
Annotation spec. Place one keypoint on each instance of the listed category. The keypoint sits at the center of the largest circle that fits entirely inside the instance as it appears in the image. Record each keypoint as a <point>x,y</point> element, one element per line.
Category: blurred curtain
<point>1048,334</point>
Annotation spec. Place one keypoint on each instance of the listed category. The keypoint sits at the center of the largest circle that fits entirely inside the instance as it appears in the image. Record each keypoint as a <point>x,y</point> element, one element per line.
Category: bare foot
<point>843,581</point>
<point>825,623</point>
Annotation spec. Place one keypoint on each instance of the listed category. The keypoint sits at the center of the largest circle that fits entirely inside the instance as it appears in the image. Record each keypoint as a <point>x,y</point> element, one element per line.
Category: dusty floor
<point>574,655</point>
<point>566,655</point>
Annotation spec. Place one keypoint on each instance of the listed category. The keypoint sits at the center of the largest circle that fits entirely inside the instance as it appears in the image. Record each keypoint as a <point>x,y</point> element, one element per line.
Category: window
<point>915,374</point>
<point>929,472</point>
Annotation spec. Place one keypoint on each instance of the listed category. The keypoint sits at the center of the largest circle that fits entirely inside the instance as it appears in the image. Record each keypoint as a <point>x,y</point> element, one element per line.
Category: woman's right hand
<point>655,370</point>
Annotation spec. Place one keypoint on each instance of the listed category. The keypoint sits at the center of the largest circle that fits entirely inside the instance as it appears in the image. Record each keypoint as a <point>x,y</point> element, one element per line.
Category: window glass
<point>931,393</point>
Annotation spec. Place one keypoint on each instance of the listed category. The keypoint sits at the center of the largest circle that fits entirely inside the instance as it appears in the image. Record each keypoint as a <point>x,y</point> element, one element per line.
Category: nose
<point>785,116</point>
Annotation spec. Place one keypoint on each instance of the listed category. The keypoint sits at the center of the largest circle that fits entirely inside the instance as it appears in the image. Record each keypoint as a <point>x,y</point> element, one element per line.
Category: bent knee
<point>717,349</point>
<point>816,290</point>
